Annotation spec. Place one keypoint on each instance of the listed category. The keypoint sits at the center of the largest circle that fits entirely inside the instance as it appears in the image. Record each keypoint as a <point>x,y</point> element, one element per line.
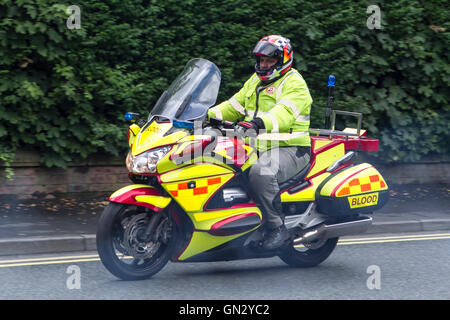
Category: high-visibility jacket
<point>284,106</point>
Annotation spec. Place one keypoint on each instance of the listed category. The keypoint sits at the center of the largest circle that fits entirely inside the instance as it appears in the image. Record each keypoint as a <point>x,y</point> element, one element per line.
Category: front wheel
<point>123,246</point>
<point>308,255</point>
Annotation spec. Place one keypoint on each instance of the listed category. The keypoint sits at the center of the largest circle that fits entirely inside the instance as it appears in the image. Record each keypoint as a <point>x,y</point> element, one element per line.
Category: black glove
<point>255,125</point>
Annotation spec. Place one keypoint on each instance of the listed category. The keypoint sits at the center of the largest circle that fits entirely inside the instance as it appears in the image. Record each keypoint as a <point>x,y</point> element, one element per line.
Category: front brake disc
<point>134,245</point>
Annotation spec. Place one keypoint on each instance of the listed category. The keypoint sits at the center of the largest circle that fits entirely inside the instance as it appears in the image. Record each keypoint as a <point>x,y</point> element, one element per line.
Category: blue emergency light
<point>183,124</point>
<point>128,116</point>
<point>331,81</point>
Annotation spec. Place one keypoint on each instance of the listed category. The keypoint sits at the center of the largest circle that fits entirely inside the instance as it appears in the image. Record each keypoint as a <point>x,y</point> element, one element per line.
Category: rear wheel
<point>309,254</point>
<point>123,247</point>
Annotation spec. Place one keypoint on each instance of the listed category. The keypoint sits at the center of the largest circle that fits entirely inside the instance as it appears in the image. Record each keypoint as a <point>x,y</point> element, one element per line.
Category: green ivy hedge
<point>64,91</point>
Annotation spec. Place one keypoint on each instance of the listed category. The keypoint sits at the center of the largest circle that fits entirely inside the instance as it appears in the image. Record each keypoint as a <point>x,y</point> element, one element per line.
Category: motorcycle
<point>191,200</point>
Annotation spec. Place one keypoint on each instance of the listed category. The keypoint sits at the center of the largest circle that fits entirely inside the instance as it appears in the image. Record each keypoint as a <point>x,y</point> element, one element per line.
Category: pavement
<point>54,223</point>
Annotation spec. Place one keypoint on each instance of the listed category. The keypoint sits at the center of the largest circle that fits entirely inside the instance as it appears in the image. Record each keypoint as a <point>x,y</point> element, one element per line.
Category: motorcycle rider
<point>274,100</point>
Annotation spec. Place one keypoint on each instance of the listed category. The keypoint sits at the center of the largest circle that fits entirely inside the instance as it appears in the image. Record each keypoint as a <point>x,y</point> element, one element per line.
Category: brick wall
<point>99,173</point>
<point>426,173</point>
<point>28,180</point>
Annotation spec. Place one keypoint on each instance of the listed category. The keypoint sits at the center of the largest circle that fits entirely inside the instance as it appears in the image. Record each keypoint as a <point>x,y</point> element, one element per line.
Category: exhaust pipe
<point>335,230</point>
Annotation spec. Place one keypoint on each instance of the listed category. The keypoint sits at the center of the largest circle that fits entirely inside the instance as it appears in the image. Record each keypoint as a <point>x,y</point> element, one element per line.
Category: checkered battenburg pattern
<point>195,188</point>
<point>363,184</point>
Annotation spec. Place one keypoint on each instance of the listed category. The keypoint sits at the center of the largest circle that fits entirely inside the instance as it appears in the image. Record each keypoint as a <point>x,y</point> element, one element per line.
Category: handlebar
<point>227,128</point>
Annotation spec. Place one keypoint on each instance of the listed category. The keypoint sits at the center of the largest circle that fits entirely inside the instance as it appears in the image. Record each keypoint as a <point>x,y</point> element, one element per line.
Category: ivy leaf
<point>3,131</point>
<point>54,36</point>
<point>425,90</point>
<point>428,68</point>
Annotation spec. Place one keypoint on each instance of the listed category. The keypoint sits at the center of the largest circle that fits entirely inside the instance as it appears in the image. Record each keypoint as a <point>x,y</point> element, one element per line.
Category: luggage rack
<point>332,132</point>
<point>353,138</point>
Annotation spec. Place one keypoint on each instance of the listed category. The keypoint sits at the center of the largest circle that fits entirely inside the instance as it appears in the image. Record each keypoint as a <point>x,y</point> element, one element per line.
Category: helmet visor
<point>265,48</point>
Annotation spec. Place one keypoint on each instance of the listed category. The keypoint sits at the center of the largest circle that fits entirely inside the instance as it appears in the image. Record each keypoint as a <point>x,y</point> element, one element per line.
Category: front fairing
<point>155,134</point>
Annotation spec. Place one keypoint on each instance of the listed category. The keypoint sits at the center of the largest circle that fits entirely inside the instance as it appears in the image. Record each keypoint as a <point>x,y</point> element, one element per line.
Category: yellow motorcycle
<point>191,200</point>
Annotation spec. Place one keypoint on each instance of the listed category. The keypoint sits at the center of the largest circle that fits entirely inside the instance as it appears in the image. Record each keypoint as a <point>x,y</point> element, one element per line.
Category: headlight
<point>146,162</point>
<point>129,161</point>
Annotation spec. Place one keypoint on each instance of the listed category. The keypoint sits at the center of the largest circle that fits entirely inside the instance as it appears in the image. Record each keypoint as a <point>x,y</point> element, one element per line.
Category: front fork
<point>150,234</point>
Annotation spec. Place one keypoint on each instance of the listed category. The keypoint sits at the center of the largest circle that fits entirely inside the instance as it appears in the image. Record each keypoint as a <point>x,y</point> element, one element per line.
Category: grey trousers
<point>274,167</point>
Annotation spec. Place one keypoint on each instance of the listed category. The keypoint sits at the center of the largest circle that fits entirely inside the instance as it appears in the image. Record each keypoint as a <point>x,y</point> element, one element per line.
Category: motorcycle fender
<point>141,195</point>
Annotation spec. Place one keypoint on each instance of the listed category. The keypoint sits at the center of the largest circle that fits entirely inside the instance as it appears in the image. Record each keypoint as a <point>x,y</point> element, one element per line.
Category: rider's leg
<point>273,167</point>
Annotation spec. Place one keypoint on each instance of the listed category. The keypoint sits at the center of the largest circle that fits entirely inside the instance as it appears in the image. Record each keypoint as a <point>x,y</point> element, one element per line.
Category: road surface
<point>397,266</point>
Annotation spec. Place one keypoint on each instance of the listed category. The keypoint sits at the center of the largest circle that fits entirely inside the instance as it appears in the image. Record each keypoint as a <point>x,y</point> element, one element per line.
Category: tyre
<point>123,247</point>
<point>308,255</point>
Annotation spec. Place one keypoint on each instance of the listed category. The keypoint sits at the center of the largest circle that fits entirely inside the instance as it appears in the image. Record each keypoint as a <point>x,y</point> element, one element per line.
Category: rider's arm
<point>232,109</point>
<point>293,105</point>
<point>224,111</point>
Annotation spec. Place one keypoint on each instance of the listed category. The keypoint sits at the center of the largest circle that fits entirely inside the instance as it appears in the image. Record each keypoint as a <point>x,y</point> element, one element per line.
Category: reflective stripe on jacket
<point>283,105</point>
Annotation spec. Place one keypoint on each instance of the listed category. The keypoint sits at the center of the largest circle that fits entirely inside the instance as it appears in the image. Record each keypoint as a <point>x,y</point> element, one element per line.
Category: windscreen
<point>191,93</point>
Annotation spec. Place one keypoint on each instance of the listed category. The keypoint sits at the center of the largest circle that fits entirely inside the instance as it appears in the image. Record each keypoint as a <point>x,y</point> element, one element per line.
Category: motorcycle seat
<point>295,179</point>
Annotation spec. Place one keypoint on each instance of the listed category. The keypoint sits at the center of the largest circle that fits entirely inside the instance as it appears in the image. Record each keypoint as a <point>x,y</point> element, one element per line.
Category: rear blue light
<point>331,81</point>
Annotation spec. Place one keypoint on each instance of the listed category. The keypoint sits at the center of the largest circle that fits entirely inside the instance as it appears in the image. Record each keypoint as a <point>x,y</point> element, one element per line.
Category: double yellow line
<point>95,257</point>
<point>386,239</point>
<point>48,260</point>
<point>394,239</point>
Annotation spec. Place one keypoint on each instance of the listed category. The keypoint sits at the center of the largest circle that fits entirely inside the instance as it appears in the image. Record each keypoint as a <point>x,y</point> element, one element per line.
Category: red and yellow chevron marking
<point>362,184</point>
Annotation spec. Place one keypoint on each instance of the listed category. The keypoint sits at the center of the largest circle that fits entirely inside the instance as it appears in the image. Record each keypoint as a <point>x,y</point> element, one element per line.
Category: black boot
<point>276,238</point>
